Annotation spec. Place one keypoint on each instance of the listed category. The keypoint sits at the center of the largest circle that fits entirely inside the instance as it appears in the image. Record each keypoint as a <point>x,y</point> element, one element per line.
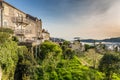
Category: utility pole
<point>1,11</point>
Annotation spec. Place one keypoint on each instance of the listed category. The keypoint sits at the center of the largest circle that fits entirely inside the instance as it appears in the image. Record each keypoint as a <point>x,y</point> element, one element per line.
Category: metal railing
<point>20,20</point>
<point>19,31</point>
<point>23,31</point>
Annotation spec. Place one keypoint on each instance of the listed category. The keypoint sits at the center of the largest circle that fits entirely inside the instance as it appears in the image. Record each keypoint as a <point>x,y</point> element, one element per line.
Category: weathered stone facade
<point>45,35</point>
<point>25,26</point>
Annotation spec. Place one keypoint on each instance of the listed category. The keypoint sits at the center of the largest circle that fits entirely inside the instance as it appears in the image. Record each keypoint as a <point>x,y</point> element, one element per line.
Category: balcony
<point>20,32</point>
<point>20,20</point>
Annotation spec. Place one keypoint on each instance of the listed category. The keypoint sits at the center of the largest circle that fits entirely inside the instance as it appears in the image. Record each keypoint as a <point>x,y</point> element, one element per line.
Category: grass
<point>90,58</point>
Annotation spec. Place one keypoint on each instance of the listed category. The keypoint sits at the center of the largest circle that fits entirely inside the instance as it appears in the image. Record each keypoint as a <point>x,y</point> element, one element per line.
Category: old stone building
<point>45,35</point>
<point>26,27</point>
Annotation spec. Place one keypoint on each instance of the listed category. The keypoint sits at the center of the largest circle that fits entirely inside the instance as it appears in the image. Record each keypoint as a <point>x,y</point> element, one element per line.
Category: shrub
<point>7,30</point>
<point>4,37</point>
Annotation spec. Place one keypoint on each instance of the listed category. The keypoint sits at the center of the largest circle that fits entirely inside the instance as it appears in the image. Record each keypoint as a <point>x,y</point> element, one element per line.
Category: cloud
<point>101,6</point>
<point>100,20</point>
<point>85,18</point>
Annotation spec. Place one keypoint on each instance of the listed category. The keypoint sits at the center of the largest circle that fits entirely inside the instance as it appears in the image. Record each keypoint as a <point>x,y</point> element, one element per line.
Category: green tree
<point>8,59</point>
<point>73,70</point>
<point>110,64</point>
<point>87,47</point>
<point>50,55</point>
<point>49,47</point>
<point>68,53</point>
<point>7,30</point>
<point>66,43</point>
<point>25,65</point>
<point>14,38</point>
<point>4,37</point>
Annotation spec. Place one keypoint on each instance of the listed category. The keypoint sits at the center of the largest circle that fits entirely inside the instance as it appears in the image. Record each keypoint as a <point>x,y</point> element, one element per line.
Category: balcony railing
<point>20,32</point>
<point>23,31</point>
<point>20,20</point>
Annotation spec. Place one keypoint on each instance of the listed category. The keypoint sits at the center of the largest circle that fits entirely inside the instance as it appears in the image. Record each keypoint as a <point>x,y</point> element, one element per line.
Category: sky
<point>96,19</point>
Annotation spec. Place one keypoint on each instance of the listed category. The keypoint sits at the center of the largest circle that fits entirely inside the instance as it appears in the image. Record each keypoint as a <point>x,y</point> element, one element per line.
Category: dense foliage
<point>6,30</point>
<point>25,65</point>
<point>56,67</point>
<point>49,48</point>
<point>110,64</point>
<point>15,62</point>
<point>73,70</point>
<point>8,59</point>
<point>4,37</point>
<point>51,61</point>
<point>50,55</point>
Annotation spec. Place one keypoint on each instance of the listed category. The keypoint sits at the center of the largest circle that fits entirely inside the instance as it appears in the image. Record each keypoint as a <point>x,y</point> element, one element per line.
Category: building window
<point>5,24</point>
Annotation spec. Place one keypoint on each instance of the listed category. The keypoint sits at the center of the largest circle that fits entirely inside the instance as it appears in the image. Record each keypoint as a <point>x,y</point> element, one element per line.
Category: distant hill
<point>57,39</point>
<point>112,40</point>
<point>88,40</point>
<point>117,39</point>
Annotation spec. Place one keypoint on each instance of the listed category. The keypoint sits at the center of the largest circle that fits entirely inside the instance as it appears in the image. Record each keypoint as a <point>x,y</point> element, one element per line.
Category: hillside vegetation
<point>90,58</point>
<point>55,62</point>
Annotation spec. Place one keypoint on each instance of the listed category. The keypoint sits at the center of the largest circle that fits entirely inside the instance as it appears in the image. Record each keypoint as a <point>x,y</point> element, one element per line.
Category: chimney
<point>1,0</point>
<point>1,11</point>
